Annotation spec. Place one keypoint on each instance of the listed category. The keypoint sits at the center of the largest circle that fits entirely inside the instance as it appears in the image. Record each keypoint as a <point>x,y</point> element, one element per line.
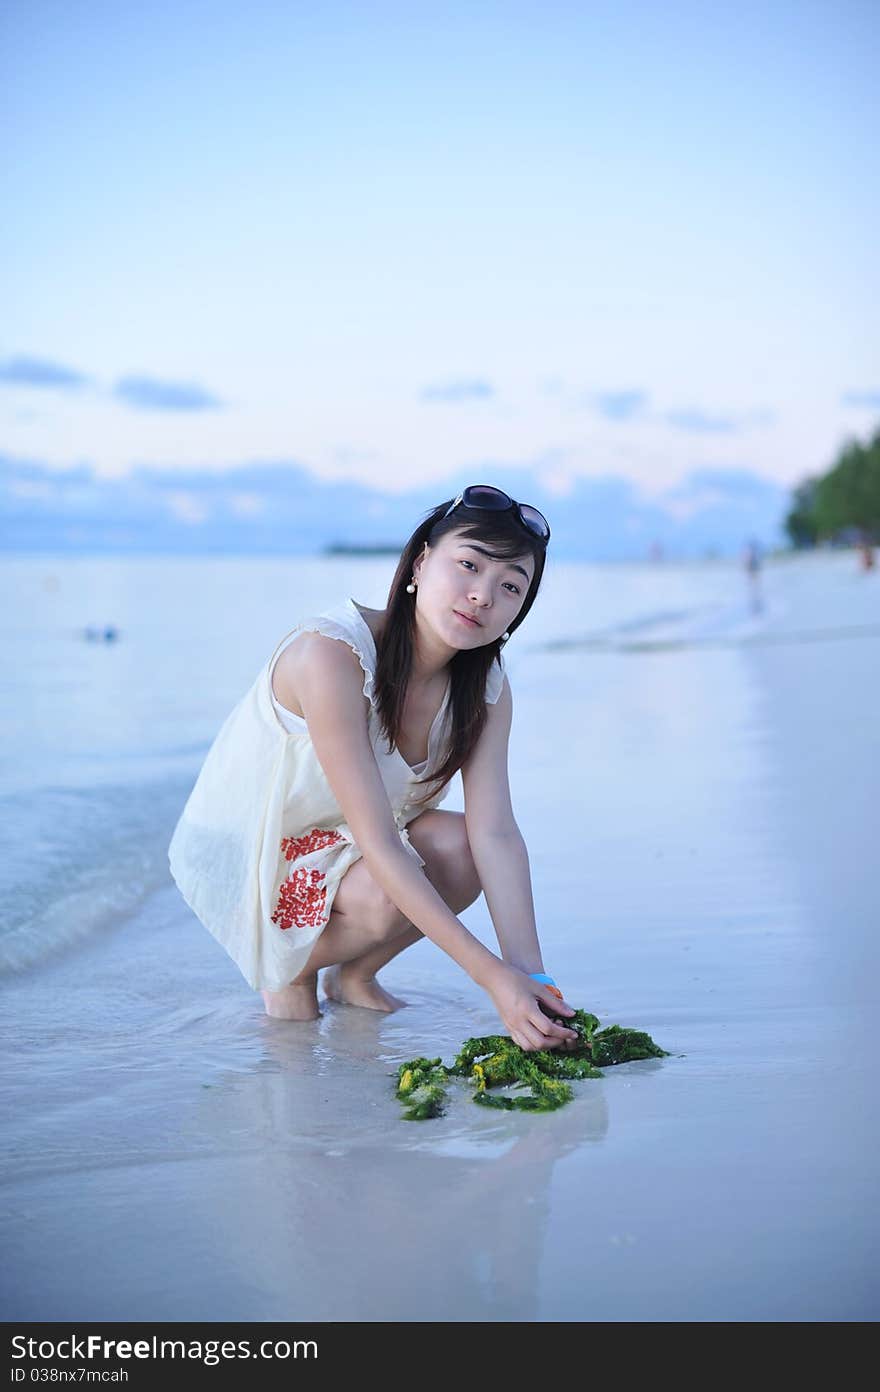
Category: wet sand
<point>701,826</point>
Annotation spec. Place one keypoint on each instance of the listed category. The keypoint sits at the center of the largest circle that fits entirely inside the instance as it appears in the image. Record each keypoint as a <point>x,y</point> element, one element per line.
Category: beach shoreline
<point>707,878</point>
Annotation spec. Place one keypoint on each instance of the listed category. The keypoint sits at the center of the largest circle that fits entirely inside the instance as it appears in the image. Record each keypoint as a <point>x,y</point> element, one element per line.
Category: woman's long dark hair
<point>504,534</point>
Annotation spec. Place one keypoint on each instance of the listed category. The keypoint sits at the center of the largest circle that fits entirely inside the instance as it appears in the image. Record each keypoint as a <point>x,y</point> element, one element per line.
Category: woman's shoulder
<point>374,620</point>
<point>330,641</point>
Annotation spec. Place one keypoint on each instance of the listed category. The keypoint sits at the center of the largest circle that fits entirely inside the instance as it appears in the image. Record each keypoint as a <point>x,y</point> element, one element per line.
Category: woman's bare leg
<point>441,839</point>
<point>350,945</point>
<point>344,938</point>
<point>354,982</point>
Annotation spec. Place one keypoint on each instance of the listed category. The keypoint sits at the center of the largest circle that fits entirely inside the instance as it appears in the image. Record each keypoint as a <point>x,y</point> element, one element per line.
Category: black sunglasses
<point>489,499</point>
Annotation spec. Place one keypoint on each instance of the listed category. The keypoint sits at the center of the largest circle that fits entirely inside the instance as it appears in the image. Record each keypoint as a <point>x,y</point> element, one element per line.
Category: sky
<point>396,242</point>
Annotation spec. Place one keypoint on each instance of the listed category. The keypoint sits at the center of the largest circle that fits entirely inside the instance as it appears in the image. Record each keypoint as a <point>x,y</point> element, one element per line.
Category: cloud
<point>762,416</point>
<point>39,372</point>
<point>465,389</point>
<point>31,489</point>
<point>186,507</point>
<point>348,457</point>
<point>550,386</point>
<point>694,420</point>
<point>149,394</point>
<point>246,504</point>
<point>280,508</point>
<point>631,404</point>
<point>621,405</point>
<point>143,393</point>
<point>731,492</point>
<point>558,483</point>
<point>865,399</point>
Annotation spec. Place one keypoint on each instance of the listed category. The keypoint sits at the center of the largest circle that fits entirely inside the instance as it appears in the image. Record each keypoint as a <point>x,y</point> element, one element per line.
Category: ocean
<point>103,738</point>
<point>693,767</point>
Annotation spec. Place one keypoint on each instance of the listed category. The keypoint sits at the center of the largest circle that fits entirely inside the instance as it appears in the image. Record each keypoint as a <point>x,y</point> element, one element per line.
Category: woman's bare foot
<point>341,983</point>
<point>298,1001</point>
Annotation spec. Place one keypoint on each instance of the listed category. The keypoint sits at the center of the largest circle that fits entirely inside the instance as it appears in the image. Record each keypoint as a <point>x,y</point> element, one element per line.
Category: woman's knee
<point>441,839</point>
<point>362,899</point>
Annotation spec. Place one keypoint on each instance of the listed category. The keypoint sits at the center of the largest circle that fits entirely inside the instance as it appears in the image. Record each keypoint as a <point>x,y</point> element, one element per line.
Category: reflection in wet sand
<point>361,1214</point>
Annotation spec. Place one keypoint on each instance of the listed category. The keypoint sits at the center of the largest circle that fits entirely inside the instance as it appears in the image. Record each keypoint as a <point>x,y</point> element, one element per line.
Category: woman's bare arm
<point>497,845</point>
<point>330,690</point>
<point>329,687</point>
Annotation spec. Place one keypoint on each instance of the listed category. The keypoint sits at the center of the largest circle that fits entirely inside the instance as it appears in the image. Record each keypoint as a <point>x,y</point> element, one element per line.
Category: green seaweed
<point>494,1061</point>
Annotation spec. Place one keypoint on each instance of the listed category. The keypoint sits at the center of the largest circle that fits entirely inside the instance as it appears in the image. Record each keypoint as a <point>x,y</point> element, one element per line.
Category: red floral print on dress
<point>292,847</point>
<point>301,901</point>
<point>303,895</point>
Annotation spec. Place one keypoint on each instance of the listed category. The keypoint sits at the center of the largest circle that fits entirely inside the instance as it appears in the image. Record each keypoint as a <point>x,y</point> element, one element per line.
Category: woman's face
<point>458,578</point>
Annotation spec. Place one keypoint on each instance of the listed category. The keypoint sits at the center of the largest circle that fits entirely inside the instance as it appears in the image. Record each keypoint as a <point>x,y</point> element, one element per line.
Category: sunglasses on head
<point>482,496</point>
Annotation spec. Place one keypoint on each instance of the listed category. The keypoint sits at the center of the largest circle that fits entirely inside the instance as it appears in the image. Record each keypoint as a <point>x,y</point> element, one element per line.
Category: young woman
<point>313,837</point>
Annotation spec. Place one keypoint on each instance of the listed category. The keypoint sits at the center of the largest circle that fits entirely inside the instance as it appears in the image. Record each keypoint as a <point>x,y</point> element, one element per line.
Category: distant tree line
<point>842,505</point>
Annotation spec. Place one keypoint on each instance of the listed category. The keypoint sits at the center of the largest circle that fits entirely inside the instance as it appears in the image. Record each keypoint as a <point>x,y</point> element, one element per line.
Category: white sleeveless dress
<point>262,844</point>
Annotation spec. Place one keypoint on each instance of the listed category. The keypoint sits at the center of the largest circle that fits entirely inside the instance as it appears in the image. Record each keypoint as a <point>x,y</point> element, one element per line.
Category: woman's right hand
<point>515,996</point>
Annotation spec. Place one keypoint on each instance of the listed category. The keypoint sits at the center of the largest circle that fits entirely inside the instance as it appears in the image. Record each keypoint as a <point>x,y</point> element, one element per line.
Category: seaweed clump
<point>494,1061</point>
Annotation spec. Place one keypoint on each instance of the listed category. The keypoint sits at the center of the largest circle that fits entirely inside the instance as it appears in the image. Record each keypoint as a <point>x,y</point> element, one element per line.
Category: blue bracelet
<point>542,976</point>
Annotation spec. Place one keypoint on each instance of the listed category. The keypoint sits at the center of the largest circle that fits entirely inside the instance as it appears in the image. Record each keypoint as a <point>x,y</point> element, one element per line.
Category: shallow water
<point>102,741</point>
<point>699,823</point>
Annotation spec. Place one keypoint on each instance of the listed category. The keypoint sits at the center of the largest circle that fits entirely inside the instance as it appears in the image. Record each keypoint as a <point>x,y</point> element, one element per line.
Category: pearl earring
<point>410,589</point>
<point>504,637</point>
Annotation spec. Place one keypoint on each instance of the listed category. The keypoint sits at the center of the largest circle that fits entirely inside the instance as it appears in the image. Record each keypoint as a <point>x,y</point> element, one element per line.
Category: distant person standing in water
<point>866,550</point>
<point>313,837</point>
<point>752,559</point>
